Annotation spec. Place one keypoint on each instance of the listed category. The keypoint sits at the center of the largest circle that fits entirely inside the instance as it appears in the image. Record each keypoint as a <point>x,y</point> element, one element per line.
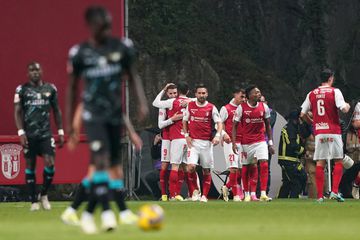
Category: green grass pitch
<point>280,219</point>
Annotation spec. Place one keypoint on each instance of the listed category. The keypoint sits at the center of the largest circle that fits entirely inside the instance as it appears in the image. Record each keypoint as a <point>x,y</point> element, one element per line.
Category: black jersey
<point>102,69</point>
<point>36,102</point>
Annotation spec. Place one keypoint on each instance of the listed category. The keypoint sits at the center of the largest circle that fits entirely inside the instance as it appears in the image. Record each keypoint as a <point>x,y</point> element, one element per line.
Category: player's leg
<point>206,158</point>
<point>238,158</point>
<point>30,174</point>
<point>320,155</point>
<point>126,216</point>
<point>192,161</point>
<point>47,150</point>
<point>355,187</point>
<point>262,153</point>
<point>176,157</point>
<point>336,153</point>
<point>245,172</point>
<point>232,166</point>
<point>164,171</point>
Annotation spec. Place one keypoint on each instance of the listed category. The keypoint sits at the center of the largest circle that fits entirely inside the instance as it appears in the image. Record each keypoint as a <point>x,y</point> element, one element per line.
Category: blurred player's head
<point>327,76</point>
<point>201,93</point>
<point>263,99</point>
<point>34,72</point>
<point>183,88</point>
<point>239,95</point>
<point>253,93</point>
<point>171,91</point>
<point>98,20</point>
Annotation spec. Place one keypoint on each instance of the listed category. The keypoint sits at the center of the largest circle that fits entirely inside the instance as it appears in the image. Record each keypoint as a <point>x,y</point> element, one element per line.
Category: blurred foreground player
<point>102,62</point>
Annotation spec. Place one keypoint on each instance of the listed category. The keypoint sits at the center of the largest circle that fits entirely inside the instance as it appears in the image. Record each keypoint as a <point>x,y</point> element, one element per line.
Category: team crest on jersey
<point>261,113</point>
<point>207,114</point>
<point>47,94</point>
<point>115,56</point>
<point>247,112</point>
<point>10,160</point>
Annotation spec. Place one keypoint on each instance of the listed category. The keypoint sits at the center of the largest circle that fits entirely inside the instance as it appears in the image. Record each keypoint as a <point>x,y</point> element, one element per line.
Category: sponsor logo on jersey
<point>10,160</point>
<point>321,126</point>
<point>247,120</point>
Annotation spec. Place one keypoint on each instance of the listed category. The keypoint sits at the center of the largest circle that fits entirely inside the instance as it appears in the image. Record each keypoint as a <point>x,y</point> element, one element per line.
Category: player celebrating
<point>254,117</point>
<point>164,123</point>
<point>178,143</point>
<point>233,161</point>
<point>324,102</point>
<point>33,102</point>
<point>197,127</point>
<point>101,62</point>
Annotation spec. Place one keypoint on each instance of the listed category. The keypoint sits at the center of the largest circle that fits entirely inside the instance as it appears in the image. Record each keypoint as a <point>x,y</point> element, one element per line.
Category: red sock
<point>164,178</point>
<point>264,175</point>
<point>188,183</point>
<point>320,181</point>
<point>337,174</point>
<point>206,184</point>
<point>180,181</point>
<point>193,181</point>
<point>357,180</point>
<point>233,182</point>
<point>173,183</point>
<point>253,170</point>
<point>244,177</point>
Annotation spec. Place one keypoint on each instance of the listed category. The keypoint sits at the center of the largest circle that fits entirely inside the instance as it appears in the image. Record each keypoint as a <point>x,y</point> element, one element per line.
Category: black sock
<point>118,191</point>
<point>31,184</point>
<point>81,194</point>
<point>48,175</point>
<point>99,191</point>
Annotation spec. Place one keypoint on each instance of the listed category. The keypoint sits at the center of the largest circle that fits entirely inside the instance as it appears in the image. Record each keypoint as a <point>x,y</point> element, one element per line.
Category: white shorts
<point>258,151</point>
<point>328,146</point>
<point>232,160</point>
<point>202,151</point>
<point>165,151</point>
<point>178,151</point>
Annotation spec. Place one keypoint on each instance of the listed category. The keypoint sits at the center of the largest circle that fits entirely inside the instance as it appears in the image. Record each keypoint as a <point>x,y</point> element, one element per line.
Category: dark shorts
<point>104,138</point>
<point>40,147</point>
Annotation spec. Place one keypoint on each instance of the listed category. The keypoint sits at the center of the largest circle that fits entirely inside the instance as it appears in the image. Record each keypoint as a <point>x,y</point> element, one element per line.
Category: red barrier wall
<point>44,31</point>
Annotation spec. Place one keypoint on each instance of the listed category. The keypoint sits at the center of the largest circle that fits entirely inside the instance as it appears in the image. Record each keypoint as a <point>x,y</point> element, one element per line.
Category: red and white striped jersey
<point>199,118</point>
<point>251,119</point>
<point>324,103</point>
<point>227,113</point>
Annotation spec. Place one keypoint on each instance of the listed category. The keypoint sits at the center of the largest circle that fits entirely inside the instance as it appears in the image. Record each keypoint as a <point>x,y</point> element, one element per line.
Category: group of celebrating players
<point>243,129</point>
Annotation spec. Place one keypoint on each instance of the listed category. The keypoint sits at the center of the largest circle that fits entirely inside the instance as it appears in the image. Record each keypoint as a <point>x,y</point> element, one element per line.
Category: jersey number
<point>320,107</point>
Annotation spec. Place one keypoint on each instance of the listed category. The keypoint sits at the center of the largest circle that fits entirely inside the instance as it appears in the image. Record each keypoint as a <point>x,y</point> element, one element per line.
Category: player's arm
<point>134,137</point>
<point>19,118</point>
<point>186,127</point>
<point>134,79</point>
<point>356,118</point>
<point>305,108</point>
<point>163,122</point>
<point>158,103</point>
<point>340,102</point>
<point>268,129</point>
<point>70,102</point>
<point>219,126</point>
<point>224,116</point>
<point>236,120</point>
<point>57,116</point>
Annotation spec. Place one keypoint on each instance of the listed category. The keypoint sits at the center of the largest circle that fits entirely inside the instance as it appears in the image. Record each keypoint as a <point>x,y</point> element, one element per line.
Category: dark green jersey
<point>102,69</point>
<point>36,102</point>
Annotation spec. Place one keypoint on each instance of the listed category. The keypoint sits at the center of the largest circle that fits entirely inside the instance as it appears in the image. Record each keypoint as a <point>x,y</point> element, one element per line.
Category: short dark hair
<point>200,85</point>
<point>249,89</point>
<point>32,63</point>
<point>182,87</point>
<point>93,12</point>
<point>238,89</point>
<point>172,86</point>
<point>325,74</point>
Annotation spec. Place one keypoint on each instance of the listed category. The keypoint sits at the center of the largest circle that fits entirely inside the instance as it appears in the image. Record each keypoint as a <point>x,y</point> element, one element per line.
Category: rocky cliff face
<point>280,45</point>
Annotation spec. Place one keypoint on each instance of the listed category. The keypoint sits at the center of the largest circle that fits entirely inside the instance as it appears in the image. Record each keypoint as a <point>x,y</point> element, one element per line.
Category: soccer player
<point>197,128</point>
<point>356,125</point>
<point>164,123</point>
<point>176,106</point>
<point>254,117</point>
<point>324,102</point>
<point>102,61</point>
<point>33,102</point>
<point>233,161</point>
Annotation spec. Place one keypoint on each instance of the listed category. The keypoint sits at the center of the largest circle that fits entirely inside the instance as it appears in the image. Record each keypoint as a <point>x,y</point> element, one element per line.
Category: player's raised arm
<point>158,103</point>
<point>340,102</point>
